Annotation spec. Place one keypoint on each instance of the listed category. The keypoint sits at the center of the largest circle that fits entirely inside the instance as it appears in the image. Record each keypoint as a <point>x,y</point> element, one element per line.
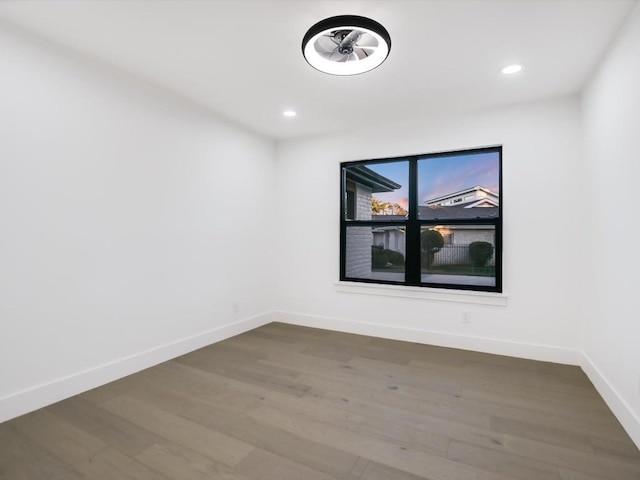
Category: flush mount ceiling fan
<point>346,45</point>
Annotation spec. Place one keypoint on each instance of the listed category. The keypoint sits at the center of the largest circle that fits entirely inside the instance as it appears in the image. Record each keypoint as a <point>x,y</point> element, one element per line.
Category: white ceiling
<point>242,59</point>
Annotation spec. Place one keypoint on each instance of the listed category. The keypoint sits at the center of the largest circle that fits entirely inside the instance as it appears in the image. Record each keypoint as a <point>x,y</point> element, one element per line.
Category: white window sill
<point>422,293</point>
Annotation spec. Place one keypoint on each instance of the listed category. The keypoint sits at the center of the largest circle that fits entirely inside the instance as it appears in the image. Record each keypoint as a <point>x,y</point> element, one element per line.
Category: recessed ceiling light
<point>346,45</point>
<point>289,113</point>
<point>510,69</point>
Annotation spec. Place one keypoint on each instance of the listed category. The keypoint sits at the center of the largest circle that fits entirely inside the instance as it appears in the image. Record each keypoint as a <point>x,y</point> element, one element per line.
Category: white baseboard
<point>25,401</point>
<point>620,408</point>
<point>529,351</point>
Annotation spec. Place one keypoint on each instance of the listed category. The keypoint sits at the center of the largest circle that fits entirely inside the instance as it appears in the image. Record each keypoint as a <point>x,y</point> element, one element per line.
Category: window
<point>432,220</point>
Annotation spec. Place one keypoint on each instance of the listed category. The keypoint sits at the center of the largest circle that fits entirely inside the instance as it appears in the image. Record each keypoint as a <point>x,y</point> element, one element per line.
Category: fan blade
<point>325,44</point>
<point>351,39</point>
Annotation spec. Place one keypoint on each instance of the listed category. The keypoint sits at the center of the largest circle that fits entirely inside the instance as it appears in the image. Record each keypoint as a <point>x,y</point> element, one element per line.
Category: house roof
<point>477,188</point>
<point>453,212</point>
<point>482,202</point>
<point>456,212</point>
<point>375,181</point>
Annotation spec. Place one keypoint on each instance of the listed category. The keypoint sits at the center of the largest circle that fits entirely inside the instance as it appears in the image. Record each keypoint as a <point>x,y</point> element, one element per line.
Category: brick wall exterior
<point>360,239</point>
<point>363,202</point>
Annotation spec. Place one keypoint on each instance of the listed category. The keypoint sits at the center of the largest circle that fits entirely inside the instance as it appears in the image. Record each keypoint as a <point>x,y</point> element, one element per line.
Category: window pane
<point>375,252</point>
<point>376,191</point>
<point>458,254</point>
<point>459,186</point>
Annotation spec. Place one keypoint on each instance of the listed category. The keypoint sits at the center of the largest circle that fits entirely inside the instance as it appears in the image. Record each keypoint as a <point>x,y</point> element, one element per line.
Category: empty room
<point>319,240</point>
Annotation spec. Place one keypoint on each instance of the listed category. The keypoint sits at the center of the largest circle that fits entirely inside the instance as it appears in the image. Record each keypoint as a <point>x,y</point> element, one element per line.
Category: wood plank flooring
<point>292,403</point>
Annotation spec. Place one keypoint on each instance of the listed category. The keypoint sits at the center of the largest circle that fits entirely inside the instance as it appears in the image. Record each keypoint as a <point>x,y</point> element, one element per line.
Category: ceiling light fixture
<point>346,45</point>
<point>511,69</point>
<point>289,113</point>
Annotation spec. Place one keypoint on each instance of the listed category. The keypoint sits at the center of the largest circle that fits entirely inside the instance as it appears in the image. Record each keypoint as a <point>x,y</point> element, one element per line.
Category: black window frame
<point>413,223</point>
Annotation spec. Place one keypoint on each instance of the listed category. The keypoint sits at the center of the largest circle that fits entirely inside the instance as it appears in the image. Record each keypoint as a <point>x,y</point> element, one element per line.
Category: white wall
<point>131,221</point>
<point>544,233</point>
<point>611,106</point>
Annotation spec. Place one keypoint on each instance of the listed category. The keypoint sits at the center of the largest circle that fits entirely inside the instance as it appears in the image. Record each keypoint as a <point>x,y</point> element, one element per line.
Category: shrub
<point>431,242</point>
<point>480,253</point>
<point>381,257</point>
<point>378,256</point>
<point>395,258</point>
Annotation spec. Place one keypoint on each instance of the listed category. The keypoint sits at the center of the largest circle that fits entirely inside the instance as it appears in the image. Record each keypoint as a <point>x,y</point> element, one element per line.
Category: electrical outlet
<point>235,306</point>
<point>466,318</point>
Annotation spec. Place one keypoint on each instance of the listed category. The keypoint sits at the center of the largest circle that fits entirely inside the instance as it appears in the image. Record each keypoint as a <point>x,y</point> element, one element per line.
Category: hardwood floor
<point>292,403</point>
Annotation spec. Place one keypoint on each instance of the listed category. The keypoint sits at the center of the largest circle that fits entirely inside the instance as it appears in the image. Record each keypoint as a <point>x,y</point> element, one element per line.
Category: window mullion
<point>412,265</point>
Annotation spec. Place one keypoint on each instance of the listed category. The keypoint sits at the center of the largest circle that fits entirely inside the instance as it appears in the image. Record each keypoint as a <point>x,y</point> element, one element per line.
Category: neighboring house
<point>361,184</point>
<point>475,202</point>
<point>391,238</point>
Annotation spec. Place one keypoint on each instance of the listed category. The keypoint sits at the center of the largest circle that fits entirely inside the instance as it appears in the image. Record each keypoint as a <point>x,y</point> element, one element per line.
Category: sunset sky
<point>441,175</point>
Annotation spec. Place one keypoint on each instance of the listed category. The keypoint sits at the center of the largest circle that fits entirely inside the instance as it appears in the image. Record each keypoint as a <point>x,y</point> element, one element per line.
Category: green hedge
<point>480,253</point>
<point>382,257</point>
